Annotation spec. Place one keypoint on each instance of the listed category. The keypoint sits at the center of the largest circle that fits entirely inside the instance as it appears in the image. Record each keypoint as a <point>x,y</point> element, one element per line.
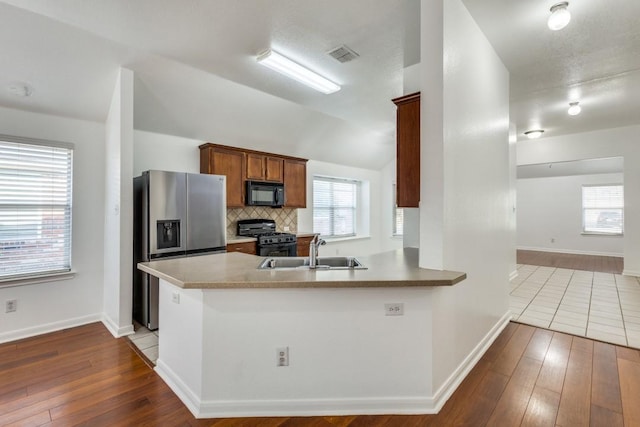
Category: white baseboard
<point>513,275</point>
<point>184,393</point>
<point>570,251</point>
<point>455,379</point>
<point>406,405</point>
<point>289,407</point>
<point>49,327</point>
<point>631,273</point>
<point>116,331</point>
<point>316,407</point>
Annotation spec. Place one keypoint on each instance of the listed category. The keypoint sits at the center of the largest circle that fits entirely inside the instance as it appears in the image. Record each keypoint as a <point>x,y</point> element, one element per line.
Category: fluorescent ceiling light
<point>560,16</point>
<point>281,64</point>
<point>574,108</point>
<point>533,134</point>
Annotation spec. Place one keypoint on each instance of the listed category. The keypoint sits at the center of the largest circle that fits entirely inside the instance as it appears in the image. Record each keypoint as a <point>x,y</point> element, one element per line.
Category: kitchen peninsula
<point>223,324</point>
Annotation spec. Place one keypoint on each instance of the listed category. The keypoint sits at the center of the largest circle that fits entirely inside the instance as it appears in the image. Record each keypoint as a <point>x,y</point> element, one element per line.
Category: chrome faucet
<point>313,250</point>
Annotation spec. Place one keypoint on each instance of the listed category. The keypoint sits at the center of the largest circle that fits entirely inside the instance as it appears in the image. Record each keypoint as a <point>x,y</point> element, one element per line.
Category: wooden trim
<point>406,98</point>
<point>246,150</point>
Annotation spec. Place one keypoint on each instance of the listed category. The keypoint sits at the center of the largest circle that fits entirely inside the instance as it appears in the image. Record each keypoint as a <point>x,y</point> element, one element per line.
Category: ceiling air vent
<point>343,54</point>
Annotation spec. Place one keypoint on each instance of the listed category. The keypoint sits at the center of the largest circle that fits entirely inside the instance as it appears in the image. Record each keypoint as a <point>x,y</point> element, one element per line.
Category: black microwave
<point>265,194</point>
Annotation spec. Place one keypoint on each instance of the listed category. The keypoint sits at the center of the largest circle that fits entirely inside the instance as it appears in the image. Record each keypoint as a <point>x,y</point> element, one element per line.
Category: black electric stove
<point>269,241</point>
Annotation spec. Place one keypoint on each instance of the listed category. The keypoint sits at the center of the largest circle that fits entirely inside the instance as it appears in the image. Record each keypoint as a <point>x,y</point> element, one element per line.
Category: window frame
<point>608,208</point>
<point>356,198</point>
<point>63,270</point>
<point>394,214</point>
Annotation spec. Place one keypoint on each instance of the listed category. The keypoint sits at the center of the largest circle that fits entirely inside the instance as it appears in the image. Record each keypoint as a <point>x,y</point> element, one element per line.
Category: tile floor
<point>602,306</point>
<point>146,341</point>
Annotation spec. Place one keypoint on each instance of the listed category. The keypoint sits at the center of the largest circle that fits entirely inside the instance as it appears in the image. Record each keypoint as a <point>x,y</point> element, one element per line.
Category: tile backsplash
<point>283,217</point>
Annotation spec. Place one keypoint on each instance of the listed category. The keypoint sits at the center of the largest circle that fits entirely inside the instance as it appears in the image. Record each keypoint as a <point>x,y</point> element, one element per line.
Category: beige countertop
<point>236,239</point>
<point>397,268</point>
<point>302,234</point>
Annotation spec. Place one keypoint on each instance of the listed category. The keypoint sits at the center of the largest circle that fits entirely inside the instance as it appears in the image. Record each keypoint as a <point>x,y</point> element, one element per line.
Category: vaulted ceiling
<point>197,77</point>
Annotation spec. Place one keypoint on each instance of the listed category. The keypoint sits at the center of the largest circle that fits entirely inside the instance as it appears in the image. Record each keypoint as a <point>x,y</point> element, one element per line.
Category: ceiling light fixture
<point>574,108</point>
<point>533,134</point>
<point>281,64</point>
<point>560,16</point>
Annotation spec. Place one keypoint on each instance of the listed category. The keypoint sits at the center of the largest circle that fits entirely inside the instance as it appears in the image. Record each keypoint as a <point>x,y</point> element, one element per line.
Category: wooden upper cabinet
<point>274,169</point>
<point>240,165</point>
<point>255,169</point>
<point>408,150</point>
<point>221,161</point>
<point>295,183</point>
<point>260,167</point>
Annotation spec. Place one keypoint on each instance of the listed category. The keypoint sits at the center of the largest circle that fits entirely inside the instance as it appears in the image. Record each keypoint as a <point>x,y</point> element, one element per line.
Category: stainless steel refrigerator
<point>175,215</point>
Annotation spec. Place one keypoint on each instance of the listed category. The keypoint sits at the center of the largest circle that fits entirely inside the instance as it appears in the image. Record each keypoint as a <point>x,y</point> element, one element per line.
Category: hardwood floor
<point>604,264</point>
<point>528,377</point>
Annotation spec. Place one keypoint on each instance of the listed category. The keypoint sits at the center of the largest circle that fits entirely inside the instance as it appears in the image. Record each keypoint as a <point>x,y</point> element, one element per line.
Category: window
<point>602,209</point>
<point>398,216</point>
<point>35,208</point>
<point>334,206</point>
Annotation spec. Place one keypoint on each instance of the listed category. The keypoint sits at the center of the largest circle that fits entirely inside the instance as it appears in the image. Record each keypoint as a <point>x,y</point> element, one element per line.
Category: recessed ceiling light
<point>20,89</point>
<point>560,16</point>
<point>293,70</point>
<point>533,134</point>
<point>574,108</point>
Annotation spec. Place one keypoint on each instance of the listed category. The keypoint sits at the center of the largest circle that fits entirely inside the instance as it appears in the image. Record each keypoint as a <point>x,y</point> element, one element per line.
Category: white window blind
<point>603,209</point>
<point>334,206</point>
<point>398,216</point>
<point>35,209</point>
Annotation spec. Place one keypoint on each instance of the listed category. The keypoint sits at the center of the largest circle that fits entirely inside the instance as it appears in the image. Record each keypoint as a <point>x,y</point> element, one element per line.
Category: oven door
<point>283,249</point>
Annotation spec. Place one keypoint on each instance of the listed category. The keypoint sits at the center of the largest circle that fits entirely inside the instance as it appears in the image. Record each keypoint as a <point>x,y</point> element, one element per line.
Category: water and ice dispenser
<point>168,234</point>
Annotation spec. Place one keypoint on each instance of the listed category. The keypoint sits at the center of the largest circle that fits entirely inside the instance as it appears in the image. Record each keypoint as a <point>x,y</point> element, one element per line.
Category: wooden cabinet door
<point>303,245</point>
<point>245,247</point>
<point>408,151</point>
<point>264,168</point>
<point>255,167</point>
<point>295,183</point>
<point>229,163</point>
<point>273,169</point>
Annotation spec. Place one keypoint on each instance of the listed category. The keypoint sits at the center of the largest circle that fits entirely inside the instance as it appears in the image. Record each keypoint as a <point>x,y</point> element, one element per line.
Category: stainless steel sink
<point>323,263</point>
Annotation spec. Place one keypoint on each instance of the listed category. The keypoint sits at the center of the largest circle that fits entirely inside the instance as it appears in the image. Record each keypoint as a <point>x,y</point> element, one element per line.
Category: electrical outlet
<point>286,228</point>
<point>282,356</point>
<point>11,305</point>
<point>175,298</point>
<point>394,309</point>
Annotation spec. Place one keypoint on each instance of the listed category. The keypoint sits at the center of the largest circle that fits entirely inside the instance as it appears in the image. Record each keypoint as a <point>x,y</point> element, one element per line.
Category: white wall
<point>465,207</point>
<point>219,350</point>
<point>623,142</point>
<point>165,152</point>
<point>374,232</point>
<point>551,208</point>
<point>51,306</point>
<point>118,213</point>
<point>513,174</point>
